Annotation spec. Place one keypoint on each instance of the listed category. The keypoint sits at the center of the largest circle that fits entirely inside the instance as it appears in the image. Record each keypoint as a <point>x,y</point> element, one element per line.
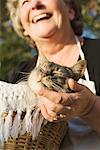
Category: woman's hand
<point>67,105</point>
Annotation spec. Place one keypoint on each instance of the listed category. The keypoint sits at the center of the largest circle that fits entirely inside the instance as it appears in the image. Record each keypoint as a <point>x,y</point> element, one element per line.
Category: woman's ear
<point>71,13</point>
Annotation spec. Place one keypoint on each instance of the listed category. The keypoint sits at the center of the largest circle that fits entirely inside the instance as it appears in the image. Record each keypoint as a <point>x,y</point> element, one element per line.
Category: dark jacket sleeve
<point>21,71</point>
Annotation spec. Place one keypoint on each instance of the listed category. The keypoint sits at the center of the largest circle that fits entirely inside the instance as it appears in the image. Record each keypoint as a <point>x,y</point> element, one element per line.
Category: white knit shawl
<point>18,98</point>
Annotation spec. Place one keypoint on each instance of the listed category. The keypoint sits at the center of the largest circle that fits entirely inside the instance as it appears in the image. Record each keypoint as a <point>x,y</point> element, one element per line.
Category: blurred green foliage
<point>14,50</point>
<point>91,14</point>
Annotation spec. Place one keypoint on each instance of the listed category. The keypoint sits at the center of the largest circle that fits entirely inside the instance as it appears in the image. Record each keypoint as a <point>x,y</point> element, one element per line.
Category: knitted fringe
<point>12,128</point>
<point>18,99</point>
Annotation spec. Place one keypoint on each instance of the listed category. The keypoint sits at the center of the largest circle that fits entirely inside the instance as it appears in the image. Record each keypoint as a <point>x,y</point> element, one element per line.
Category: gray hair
<point>77,23</point>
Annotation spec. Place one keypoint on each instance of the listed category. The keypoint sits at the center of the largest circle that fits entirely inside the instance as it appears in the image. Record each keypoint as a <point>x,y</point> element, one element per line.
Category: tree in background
<point>91,14</point>
<point>14,50</point>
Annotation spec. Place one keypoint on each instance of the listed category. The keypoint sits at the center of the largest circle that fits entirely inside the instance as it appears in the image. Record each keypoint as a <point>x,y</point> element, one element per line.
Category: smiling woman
<point>42,19</point>
<point>14,13</point>
<point>54,28</point>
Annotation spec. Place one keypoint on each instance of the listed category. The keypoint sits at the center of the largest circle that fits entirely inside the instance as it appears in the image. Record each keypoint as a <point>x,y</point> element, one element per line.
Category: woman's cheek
<point>24,14</point>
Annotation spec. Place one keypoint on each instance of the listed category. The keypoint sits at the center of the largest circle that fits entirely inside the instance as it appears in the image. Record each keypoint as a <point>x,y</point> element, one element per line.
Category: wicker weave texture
<point>49,138</point>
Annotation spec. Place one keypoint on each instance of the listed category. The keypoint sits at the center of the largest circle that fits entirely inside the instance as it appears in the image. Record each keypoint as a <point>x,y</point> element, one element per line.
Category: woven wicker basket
<point>49,138</point>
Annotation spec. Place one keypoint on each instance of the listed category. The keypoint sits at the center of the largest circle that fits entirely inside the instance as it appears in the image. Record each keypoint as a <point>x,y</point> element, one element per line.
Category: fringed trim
<point>1,129</point>
<point>31,123</point>
<point>36,123</point>
<point>28,122</point>
<point>16,125</point>
<point>7,125</point>
<point>18,98</point>
<point>39,123</point>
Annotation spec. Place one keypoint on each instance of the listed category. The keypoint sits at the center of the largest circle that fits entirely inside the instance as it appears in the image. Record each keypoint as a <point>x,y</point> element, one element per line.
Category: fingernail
<point>68,107</point>
<point>55,118</point>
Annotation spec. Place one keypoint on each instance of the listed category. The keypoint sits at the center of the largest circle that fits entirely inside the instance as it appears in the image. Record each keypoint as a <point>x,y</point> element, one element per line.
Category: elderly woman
<point>54,27</point>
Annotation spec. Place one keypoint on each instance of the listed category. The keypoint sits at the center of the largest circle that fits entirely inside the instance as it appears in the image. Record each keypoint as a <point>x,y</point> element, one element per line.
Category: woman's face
<point>44,18</point>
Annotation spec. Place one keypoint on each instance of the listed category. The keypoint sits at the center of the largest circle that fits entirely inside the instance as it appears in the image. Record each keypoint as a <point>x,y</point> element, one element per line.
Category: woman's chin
<point>45,33</point>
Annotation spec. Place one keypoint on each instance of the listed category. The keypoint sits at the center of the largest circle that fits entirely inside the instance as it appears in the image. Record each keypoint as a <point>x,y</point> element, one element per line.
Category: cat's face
<point>55,77</point>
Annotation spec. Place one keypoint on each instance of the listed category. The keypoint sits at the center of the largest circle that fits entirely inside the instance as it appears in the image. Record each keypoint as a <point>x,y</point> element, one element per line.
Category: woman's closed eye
<point>24,2</point>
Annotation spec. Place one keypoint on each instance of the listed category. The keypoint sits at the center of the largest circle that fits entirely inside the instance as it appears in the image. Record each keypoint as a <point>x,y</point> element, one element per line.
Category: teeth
<point>37,18</point>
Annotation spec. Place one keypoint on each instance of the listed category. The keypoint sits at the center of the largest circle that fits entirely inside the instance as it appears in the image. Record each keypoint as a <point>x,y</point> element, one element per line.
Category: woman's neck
<point>64,52</point>
<point>68,56</point>
<point>56,42</point>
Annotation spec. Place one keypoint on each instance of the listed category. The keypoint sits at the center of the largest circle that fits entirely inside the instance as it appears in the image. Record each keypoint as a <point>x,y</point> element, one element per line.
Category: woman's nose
<point>36,4</point>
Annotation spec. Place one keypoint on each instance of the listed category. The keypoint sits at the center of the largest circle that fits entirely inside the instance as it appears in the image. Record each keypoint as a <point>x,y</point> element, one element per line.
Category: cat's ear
<point>79,69</point>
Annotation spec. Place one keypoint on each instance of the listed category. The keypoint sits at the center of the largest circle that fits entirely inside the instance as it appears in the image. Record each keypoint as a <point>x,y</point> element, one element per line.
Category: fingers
<point>45,113</point>
<point>52,109</point>
<point>57,109</point>
<point>74,86</point>
<point>65,99</point>
<point>63,115</point>
<point>62,98</point>
<point>50,105</point>
<point>51,95</point>
<point>55,97</point>
<point>61,105</point>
